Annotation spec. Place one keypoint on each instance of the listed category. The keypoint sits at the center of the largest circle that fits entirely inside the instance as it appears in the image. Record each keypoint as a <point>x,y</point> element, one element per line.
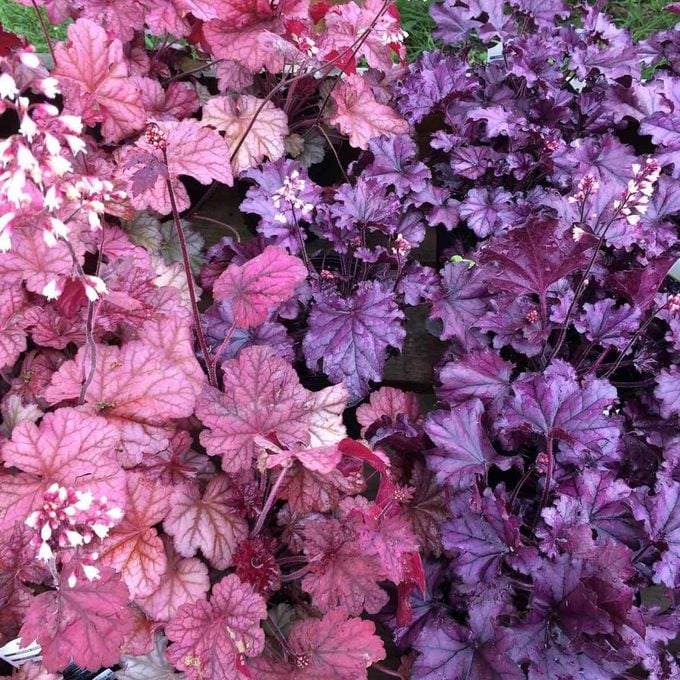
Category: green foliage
<point>417,22</point>
<point>24,21</point>
<point>641,17</point>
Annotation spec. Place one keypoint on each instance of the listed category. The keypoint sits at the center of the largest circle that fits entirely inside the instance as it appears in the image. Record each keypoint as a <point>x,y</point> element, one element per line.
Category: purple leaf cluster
<point>555,437</point>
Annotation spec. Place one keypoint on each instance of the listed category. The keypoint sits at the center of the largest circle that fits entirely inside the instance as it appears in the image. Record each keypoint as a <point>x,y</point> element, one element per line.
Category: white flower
<point>91,572</point>
<point>14,188</point>
<point>52,201</point>
<point>49,87</point>
<point>45,553</point>
<point>94,287</point>
<point>84,501</point>
<point>101,530</point>
<point>51,291</point>
<point>74,538</point>
<point>52,144</point>
<point>5,241</point>
<point>58,228</point>
<point>75,144</point>
<point>29,59</point>
<point>8,88</point>
<point>72,580</point>
<point>28,128</point>
<point>59,165</point>
<point>115,513</point>
<point>577,233</point>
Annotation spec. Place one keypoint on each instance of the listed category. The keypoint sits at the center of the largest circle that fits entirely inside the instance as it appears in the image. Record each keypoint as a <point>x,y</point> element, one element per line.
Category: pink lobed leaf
<point>210,639</point>
<point>253,48</point>
<point>342,574</point>
<point>260,285</point>
<point>322,460</point>
<point>353,32</point>
<point>12,325</point>
<point>262,396</point>
<point>390,402</point>
<point>94,76</point>
<point>333,648</point>
<point>18,566</point>
<point>359,114</point>
<point>120,18</point>
<point>192,150</point>
<point>134,548</point>
<point>137,388</point>
<point>150,666</point>
<point>206,522</point>
<point>85,621</point>
<point>325,409</point>
<point>263,139</point>
<point>70,447</point>
<point>184,581</point>
<point>30,261</point>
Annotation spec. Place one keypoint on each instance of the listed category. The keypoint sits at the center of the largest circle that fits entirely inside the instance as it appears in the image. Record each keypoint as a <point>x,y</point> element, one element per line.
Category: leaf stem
<point>581,286</point>
<point>190,277</point>
<point>92,347</point>
<point>632,341</point>
<point>520,484</point>
<point>387,671</point>
<point>599,359</point>
<point>268,503</point>
<point>203,218</point>
<point>294,575</point>
<point>548,479</point>
<point>212,363</point>
<point>48,40</point>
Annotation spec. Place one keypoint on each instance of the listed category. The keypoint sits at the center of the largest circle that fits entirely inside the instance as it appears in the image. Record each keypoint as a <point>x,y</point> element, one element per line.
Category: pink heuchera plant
<point>162,481</point>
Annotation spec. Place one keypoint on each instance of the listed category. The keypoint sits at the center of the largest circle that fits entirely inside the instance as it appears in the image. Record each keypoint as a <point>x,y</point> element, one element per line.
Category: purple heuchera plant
<point>555,438</point>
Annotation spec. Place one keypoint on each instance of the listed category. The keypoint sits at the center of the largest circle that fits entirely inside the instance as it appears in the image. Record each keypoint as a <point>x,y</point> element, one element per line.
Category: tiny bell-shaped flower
<point>8,88</point>
<point>156,137</point>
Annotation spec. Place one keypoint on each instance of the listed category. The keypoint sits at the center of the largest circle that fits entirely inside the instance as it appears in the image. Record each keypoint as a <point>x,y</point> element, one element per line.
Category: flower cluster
<point>45,188</point>
<point>635,200</point>
<point>289,192</point>
<point>67,519</point>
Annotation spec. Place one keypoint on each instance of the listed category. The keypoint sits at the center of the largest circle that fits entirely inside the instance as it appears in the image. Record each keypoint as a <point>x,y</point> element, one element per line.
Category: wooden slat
<point>412,368</point>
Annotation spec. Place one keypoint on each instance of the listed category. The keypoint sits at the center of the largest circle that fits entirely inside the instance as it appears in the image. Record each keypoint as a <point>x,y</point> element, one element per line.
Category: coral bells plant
<point>555,433</point>
<point>173,495</point>
<point>204,472</point>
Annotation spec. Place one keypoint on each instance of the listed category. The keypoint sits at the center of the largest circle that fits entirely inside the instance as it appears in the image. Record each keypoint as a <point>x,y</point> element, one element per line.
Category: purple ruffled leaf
<point>554,404</point>
<point>351,336</point>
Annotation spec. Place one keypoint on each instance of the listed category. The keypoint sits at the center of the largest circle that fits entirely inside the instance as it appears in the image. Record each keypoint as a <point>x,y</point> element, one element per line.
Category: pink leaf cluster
<point>163,487</point>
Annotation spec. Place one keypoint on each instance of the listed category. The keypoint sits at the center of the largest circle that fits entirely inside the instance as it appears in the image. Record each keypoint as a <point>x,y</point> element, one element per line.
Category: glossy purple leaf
<point>482,540</point>
<point>480,651</point>
<point>394,163</point>
<point>554,404</point>
<point>462,300</point>
<point>668,391</point>
<point>484,374</point>
<point>607,325</point>
<point>660,513</point>
<point>463,447</point>
<point>351,336</point>
<point>532,258</point>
